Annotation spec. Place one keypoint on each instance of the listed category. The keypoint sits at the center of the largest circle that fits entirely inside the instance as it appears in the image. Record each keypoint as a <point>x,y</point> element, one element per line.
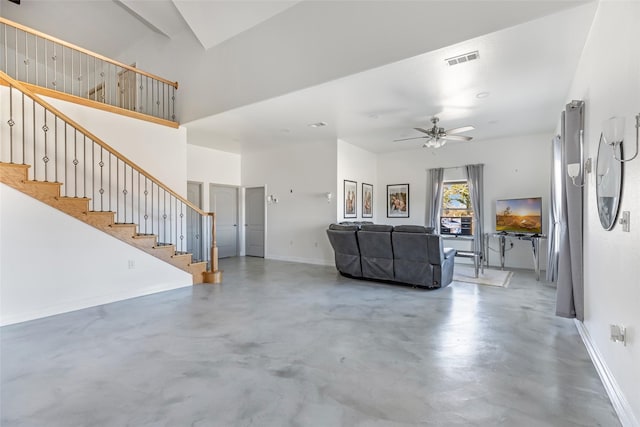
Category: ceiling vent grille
<point>471,56</point>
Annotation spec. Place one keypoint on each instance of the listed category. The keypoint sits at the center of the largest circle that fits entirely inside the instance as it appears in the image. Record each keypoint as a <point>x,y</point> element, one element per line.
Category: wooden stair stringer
<point>16,176</point>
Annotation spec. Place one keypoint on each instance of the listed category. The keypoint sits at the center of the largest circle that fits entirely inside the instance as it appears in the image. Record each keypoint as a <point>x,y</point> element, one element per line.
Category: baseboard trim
<point>314,261</point>
<point>618,400</point>
<point>83,303</point>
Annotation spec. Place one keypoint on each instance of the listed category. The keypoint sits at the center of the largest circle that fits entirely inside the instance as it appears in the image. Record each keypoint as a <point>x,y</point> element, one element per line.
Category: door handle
<point>235,225</point>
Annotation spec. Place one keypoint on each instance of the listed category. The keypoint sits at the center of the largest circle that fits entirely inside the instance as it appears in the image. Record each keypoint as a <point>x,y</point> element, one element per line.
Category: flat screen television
<point>520,216</point>
<point>459,226</point>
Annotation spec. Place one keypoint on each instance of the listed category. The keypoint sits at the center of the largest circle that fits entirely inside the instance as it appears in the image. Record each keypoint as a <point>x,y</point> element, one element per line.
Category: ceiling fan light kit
<point>437,136</point>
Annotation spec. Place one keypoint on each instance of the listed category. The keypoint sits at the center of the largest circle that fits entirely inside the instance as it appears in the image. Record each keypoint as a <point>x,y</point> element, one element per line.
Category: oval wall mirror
<point>608,182</point>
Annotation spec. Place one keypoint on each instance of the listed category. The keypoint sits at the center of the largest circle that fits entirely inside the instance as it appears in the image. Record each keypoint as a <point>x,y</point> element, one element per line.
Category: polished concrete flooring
<point>285,344</point>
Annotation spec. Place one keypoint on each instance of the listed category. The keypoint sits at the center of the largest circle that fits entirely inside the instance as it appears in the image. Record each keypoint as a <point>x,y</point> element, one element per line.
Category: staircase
<point>90,179</point>
<point>16,176</point>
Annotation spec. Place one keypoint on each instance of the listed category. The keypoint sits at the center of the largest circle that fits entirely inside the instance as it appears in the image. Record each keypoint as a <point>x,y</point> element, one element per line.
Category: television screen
<point>519,215</point>
<point>455,225</point>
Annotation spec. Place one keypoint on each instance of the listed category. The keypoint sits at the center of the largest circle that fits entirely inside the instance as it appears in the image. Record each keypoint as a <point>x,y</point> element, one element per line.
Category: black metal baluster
<point>33,117</point>
<point>45,159</point>
<point>117,189</point>
<point>23,134</point>
<point>10,122</point>
<point>55,149</point>
<point>84,165</point>
<point>93,175</point>
<point>132,195</point>
<point>75,162</point>
<point>66,179</point>
<point>152,205</point>
<point>124,191</point>
<point>109,183</point>
<point>101,190</point>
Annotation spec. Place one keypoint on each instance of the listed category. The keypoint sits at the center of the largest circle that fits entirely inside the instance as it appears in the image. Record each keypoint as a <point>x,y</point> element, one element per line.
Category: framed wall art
<point>398,201</point>
<point>367,200</point>
<point>350,199</point>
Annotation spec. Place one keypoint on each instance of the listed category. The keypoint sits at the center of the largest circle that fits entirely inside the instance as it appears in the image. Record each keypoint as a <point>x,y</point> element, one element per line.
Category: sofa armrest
<point>449,253</point>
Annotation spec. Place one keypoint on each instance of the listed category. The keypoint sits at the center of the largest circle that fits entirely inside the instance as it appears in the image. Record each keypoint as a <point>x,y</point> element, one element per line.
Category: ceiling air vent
<point>463,58</point>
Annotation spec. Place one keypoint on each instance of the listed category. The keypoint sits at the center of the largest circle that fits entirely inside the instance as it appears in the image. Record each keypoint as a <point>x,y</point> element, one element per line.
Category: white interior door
<point>254,233</point>
<point>194,222</point>
<point>224,202</point>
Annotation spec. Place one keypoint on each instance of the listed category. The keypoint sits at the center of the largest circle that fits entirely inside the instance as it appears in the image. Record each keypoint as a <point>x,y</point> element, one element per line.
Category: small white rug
<point>489,277</point>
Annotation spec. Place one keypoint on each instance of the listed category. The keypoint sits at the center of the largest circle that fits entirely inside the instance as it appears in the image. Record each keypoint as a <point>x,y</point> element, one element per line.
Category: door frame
<point>238,217</point>
<point>244,218</point>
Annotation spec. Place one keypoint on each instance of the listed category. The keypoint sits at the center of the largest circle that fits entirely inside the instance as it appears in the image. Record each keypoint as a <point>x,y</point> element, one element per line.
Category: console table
<point>535,247</point>
<point>477,261</point>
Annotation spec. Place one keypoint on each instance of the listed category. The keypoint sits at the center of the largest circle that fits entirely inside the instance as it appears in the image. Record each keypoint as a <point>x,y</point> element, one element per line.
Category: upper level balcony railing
<point>60,67</point>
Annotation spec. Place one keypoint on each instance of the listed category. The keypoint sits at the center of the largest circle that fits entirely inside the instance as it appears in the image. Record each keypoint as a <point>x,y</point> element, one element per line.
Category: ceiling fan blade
<point>457,138</point>
<point>407,139</point>
<point>428,132</point>
<point>459,130</point>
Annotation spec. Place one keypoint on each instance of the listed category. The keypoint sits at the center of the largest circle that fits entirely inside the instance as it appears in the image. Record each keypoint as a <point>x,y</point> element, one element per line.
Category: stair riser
<point>16,176</point>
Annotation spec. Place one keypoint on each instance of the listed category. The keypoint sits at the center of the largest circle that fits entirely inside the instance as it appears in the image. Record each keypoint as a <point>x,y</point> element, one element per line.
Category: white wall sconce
<point>613,133</point>
<point>329,196</point>
<point>271,199</point>
<point>573,170</point>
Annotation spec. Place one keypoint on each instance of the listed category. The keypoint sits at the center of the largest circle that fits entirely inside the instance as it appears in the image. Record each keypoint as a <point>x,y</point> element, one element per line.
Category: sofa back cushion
<point>417,257</point>
<point>413,229</point>
<point>344,241</point>
<point>376,251</point>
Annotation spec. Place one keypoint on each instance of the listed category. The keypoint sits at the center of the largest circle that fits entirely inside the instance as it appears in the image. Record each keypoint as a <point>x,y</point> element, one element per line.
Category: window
<point>456,200</point>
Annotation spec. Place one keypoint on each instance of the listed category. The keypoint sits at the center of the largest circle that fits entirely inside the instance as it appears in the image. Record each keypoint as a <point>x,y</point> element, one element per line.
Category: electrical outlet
<point>625,221</point>
<point>131,264</point>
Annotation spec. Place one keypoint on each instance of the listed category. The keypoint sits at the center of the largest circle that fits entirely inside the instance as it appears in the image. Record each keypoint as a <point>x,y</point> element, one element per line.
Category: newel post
<point>215,275</point>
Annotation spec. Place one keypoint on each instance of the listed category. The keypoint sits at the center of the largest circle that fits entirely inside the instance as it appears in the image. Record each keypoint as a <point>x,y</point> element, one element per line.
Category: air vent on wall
<point>471,56</point>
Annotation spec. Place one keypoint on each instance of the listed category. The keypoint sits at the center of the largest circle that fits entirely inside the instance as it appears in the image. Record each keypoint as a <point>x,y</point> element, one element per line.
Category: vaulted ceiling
<point>254,74</point>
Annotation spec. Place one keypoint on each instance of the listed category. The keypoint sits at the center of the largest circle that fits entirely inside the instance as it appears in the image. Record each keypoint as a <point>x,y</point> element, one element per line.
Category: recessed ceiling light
<point>481,95</point>
<point>317,125</point>
<point>471,56</point>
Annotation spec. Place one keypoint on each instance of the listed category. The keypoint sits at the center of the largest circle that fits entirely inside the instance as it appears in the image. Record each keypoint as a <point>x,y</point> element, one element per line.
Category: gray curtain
<point>555,206</point>
<point>434,196</point>
<point>570,285</point>
<point>475,179</point>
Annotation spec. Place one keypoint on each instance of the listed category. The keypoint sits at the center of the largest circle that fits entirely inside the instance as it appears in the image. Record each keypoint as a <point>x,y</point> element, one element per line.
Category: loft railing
<point>59,150</point>
<point>43,61</point>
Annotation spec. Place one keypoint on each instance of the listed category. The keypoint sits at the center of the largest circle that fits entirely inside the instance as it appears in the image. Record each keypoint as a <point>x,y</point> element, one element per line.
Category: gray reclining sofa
<point>404,254</point>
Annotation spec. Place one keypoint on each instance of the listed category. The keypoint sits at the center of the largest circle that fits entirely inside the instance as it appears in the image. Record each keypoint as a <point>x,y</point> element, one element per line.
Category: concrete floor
<point>285,344</point>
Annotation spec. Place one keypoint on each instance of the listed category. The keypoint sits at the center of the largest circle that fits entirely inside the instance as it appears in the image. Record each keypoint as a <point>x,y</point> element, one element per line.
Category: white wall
<point>52,263</point>
<point>514,167</point>
<point>355,164</point>
<point>161,151</point>
<point>608,80</point>
<point>210,166</point>
<point>299,176</point>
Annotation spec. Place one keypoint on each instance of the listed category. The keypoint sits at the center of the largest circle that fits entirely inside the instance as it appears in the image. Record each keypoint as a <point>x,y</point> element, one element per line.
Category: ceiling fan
<point>437,136</point>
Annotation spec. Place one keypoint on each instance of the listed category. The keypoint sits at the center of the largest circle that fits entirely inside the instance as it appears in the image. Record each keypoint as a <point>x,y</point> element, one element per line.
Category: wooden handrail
<point>12,82</point>
<point>85,51</point>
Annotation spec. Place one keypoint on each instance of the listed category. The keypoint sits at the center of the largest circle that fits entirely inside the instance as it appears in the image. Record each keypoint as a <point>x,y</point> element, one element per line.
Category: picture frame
<point>350,199</point>
<point>367,200</point>
<point>398,201</point>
